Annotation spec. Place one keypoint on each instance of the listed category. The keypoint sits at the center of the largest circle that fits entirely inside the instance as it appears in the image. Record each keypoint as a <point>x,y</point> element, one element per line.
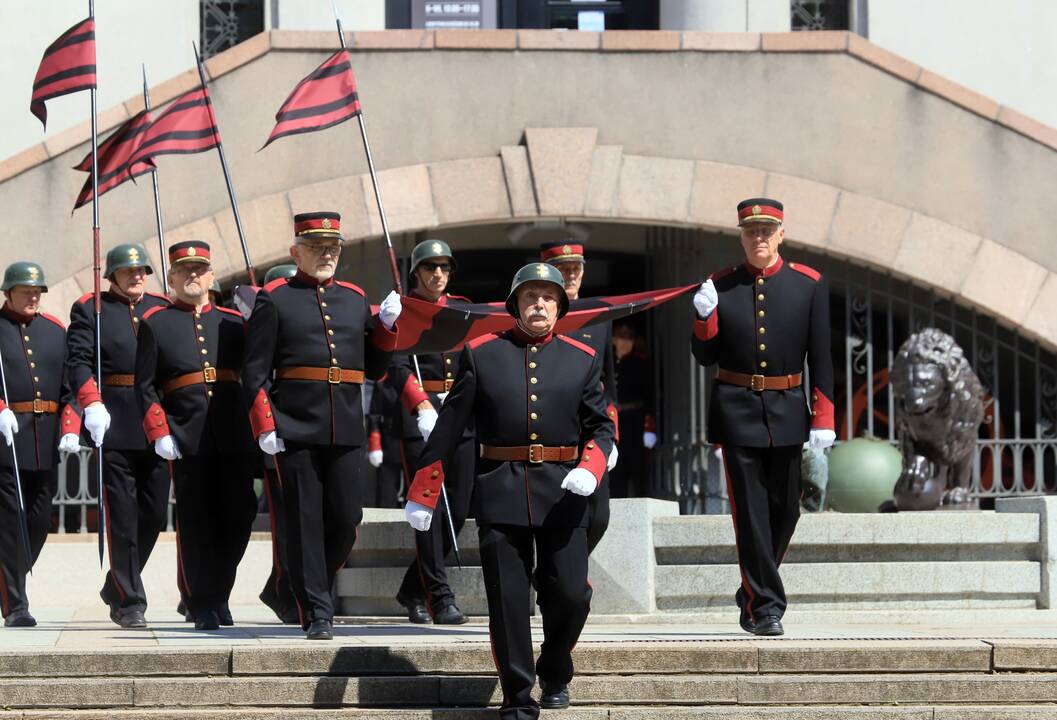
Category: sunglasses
<point>432,267</point>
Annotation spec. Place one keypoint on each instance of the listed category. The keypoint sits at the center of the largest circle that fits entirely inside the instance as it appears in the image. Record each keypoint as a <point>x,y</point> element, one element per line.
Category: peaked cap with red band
<point>564,251</point>
<point>760,210</point>
<point>189,251</point>
<point>324,225</point>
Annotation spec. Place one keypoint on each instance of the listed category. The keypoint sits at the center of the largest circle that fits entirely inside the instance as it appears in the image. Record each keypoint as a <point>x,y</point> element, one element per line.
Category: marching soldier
<point>188,358</point>
<point>635,410</point>
<point>37,408</point>
<point>310,344</point>
<point>383,446</point>
<point>758,321</point>
<point>568,257</point>
<point>135,480</point>
<point>544,437</point>
<point>425,591</point>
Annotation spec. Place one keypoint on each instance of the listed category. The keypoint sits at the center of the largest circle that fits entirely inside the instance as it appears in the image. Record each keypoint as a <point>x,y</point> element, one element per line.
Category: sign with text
<point>457,14</point>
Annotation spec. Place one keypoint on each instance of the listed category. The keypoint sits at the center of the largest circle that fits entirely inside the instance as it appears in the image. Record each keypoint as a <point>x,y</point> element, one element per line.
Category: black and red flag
<point>187,126</point>
<point>326,97</point>
<point>68,66</point>
<point>114,155</point>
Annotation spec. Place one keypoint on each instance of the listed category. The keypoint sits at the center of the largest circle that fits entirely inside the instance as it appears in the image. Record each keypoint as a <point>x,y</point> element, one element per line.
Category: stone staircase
<point>926,679</point>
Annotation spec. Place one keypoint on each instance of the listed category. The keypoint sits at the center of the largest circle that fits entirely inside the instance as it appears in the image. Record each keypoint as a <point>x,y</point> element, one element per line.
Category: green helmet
<point>280,271</point>
<point>215,287</point>
<point>127,255</point>
<point>537,272</point>
<point>24,272</point>
<point>429,249</point>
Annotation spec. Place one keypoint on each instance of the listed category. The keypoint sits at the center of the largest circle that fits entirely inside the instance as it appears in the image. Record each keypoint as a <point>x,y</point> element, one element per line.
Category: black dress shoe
<point>450,615</point>
<point>20,618</point>
<point>187,615</point>
<point>131,619</point>
<point>416,610</point>
<point>207,620</point>
<point>768,625</point>
<point>287,614</point>
<point>747,623</point>
<point>224,616</point>
<point>555,696</point>
<point>320,630</point>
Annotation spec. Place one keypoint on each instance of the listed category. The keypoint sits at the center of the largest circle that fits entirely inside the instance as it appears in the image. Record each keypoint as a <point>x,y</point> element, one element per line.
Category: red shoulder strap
<point>350,286</point>
<point>154,310</point>
<point>479,341</point>
<point>54,319</point>
<point>577,344</point>
<point>806,270</point>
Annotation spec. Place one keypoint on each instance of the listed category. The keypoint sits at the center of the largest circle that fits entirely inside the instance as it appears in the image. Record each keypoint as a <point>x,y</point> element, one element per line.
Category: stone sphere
<point>862,475</point>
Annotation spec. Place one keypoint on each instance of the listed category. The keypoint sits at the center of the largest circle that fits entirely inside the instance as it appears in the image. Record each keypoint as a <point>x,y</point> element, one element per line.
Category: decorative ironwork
<point>226,23</point>
<point>819,14</point>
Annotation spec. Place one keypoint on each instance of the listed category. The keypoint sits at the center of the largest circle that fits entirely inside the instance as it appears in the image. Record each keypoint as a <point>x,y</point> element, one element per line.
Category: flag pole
<point>227,174</point>
<point>98,295</point>
<point>157,198</point>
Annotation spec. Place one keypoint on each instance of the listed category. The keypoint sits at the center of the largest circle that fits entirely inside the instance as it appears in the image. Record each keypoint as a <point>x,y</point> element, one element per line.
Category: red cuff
<point>3,405</point>
<point>374,441</point>
<point>611,411</point>
<point>426,488</point>
<point>593,460</point>
<point>261,420</point>
<point>412,395</point>
<point>383,338</point>
<point>155,423</point>
<point>70,421</point>
<point>649,424</point>
<point>89,393</point>
<point>708,328</point>
<point>821,411</point>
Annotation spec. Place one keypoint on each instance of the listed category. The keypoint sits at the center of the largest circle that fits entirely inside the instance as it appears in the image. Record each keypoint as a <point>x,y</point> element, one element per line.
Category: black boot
<point>320,630</point>
<point>555,696</point>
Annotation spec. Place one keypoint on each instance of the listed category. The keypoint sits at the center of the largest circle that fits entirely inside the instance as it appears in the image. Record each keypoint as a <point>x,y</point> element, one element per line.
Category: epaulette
<point>460,298</point>
<point>723,273</point>
<point>85,298</point>
<point>159,296</point>
<point>577,344</point>
<point>805,270</point>
<point>229,311</point>
<point>275,283</point>
<point>54,319</point>
<point>479,341</point>
<point>154,310</point>
<point>350,286</point>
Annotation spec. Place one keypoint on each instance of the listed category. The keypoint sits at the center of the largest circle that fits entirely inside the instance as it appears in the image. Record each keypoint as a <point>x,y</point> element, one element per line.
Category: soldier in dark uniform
<point>544,436</point>
<point>37,408</point>
<point>635,410</point>
<point>188,358</point>
<point>311,342</point>
<point>568,257</point>
<point>425,591</point>
<point>135,480</point>
<point>383,446</point>
<point>277,593</point>
<point>758,321</point>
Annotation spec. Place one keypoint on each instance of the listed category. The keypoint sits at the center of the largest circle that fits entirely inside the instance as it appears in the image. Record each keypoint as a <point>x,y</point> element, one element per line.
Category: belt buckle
<point>756,383</point>
<point>209,374</point>
<point>334,375</point>
<point>535,454</point>
<point>447,384</point>
<point>38,406</point>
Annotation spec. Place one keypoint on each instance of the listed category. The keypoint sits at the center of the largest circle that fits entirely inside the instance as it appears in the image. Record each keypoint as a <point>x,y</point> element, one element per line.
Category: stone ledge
<point>640,40</point>
<point>475,39</point>
<point>819,41</point>
<point>960,95</point>
<point>392,40</point>
<point>1028,127</point>
<point>554,40</point>
<point>721,42</point>
<point>883,59</point>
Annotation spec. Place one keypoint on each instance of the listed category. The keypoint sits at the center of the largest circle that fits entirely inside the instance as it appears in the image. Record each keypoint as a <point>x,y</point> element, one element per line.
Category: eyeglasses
<point>433,267</point>
<point>189,268</point>
<point>333,250</point>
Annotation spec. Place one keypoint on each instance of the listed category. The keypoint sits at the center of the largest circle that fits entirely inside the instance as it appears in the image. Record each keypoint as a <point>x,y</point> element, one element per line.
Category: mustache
<point>537,313</point>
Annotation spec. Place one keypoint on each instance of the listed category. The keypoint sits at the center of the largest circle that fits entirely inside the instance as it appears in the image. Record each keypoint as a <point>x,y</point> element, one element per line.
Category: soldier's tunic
<point>383,433</point>
<point>34,356</point>
<point>135,480</point>
<point>426,578</point>
<point>537,398</point>
<point>187,384</point>
<point>320,341</point>
<point>635,408</point>
<point>766,324</point>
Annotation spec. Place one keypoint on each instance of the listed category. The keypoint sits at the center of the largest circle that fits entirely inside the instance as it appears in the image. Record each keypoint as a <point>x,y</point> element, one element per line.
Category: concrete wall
<point>319,15</point>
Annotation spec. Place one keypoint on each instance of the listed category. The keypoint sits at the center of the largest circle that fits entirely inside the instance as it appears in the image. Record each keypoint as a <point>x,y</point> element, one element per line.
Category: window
<point>820,14</point>
<point>226,23</point>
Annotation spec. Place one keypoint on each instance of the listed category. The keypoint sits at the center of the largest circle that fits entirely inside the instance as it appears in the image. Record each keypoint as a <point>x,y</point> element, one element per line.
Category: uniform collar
<point>311,280</point>
<point>525,338</point>
<point>188,307</point>
<point>767,271</point>
<point>15,316</point>
<point>442,300</point>
<point>122,297</point>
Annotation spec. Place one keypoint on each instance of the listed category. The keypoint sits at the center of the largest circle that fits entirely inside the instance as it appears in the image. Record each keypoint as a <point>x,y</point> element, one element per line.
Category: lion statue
<point>939,408</point>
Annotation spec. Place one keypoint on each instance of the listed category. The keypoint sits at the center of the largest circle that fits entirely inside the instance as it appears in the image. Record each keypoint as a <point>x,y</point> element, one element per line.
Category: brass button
<point>533,398</point>
<point>209,393</point>
<point>26,338</point>
<point>157,411</point>
<point>532,364</point>
<point>763,330</point>
<point>760,313</point>
<point>534,416</point>
<point>762,346</point>
<point>759,281</point>
<point>763,363</point>
<point>198,327</point>
<point>32,364</point>
<point>264,401</point>
<point>533,348</point>
<point>326,317</point>
<point>760,297</point>
<point>332,346</point>
<point>427,492</point>
<point>201,339</point>
<point>322,304</point>
<point>590,446</point>
<point>38,393</point>
<point>330,332</point>
<point>321,290</point>
<point>267,414</point>
<point>136,320</point>
<point>198,315</point>
<point>205,363</point>
<point>533,380</point>
<point>29,351</point>
<point>204,351</point>
<point>435,473</point>
<point>36,379</point>
<point>65,422</point>
<point>447,360</point>
<point>587,457</point>
<point>448,374</point>
<point>333,361</point>
<point>533,436</point>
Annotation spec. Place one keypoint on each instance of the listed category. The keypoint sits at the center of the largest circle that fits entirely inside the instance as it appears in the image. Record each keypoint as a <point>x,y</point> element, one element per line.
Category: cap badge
<point>437,248</point>
<point>756,209</point>
<point>33,273</point>
<point>541,270</point>
<point>133,255</point>
<point>192,251</point>
<point>566,250</point>
<point>325,224</point>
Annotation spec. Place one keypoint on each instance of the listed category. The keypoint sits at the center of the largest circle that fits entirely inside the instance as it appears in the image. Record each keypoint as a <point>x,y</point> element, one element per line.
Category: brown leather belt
<point>119,380</point>
<point>759,383</point>
<point>207,376</point>
<point>437,386</point>
<point>530,453</point>
<point>40,407</point>
<point>332,375</point>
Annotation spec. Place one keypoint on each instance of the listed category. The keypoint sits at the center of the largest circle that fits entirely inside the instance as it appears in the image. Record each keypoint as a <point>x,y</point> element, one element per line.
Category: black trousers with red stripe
<point>277,593</point>
<point>136,494</point>
<point>215,508</point>
<point>323,499</point>
<point>598,505</point>
<point>563,596</point>
<point>763,484</point>
<point>38,488</point>
<point>427,577</point>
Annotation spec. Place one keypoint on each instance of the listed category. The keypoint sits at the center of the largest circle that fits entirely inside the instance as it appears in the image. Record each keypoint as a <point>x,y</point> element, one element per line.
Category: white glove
<point>8,425</point>
<point>271,443</point>
<point>821,439</point>
<point>611,461</point>
<point>426,420</point>
<point>649,440</point>
<point>69,443</point>
<point>442,397</point>
<point>97,420</point>
<point>706,299</point>
<point>580,481</point>
<point>374,457</point>
<point>418,516</point>
<point>165,447</point>
<point>390,309</point>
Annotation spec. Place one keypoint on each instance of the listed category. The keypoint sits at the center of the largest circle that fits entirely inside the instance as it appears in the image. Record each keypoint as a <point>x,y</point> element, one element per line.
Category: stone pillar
<point>726,16</point>
<point>622,570</point>
<point>1046,508</point>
